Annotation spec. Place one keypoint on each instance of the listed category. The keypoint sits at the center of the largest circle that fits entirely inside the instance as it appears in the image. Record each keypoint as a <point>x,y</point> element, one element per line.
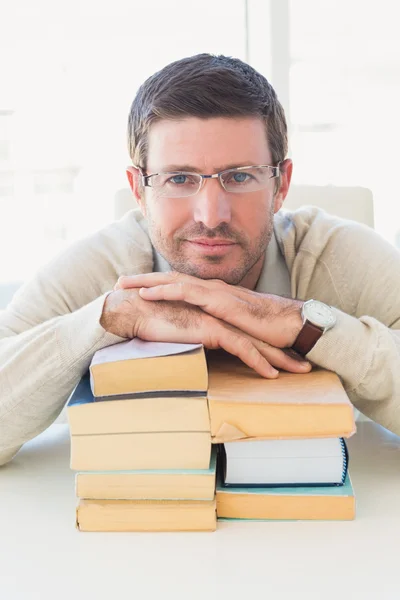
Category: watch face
<point>319,314</point>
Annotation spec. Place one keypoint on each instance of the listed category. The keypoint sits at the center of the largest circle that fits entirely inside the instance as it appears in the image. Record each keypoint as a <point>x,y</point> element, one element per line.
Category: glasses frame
<point>146,178</point>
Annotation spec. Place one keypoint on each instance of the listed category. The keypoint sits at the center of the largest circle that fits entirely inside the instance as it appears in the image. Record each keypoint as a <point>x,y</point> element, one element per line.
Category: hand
<point>126,314</point>
<point>272,319</point>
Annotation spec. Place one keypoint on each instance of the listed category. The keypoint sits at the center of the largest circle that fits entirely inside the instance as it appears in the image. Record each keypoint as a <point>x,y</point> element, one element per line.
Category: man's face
<point>213,234</point>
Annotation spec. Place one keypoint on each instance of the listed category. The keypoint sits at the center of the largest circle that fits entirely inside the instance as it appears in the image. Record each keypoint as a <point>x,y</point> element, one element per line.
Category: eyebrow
<point>192,169</point>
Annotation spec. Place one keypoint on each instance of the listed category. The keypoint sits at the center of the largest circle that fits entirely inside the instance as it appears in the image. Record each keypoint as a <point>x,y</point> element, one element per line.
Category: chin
<point>230,275</point>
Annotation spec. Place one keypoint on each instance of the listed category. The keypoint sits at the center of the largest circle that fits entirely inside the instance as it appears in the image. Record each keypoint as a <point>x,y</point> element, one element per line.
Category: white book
<point>319,461</point>
<point>137,348</point>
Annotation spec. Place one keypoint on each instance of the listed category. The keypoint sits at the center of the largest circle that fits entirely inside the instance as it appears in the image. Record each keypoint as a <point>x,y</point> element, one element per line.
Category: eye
<point>178,179</point>
<point>240,177</point>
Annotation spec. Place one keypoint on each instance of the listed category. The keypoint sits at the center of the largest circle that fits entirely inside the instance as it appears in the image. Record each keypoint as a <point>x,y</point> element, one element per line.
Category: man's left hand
<point>269,318</point>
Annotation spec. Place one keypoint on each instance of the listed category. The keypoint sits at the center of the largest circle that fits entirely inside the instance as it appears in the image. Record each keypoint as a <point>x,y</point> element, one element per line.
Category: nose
<point>212,205</point>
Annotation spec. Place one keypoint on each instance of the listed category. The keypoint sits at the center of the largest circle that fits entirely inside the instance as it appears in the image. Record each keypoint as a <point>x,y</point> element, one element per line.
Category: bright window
<point>344,90</point>
<point>69,72</point>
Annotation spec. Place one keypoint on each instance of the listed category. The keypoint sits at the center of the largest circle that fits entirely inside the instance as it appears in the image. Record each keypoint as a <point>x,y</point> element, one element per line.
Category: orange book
<point>292,503</point>
<point>171,432</point>
<point>146,515</point>
<point>243,405</point>
<point>152,450</point>
<point>137,367</point>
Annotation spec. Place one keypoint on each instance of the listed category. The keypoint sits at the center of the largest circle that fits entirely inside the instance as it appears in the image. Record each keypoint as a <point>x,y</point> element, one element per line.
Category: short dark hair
<point>205,86</point>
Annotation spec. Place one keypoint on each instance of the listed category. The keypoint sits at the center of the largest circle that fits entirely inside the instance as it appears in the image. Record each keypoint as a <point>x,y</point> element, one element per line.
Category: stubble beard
<point>171,251</point>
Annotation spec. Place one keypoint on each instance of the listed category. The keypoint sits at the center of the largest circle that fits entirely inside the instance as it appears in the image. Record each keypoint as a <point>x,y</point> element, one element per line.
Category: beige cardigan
<point>50,331</point>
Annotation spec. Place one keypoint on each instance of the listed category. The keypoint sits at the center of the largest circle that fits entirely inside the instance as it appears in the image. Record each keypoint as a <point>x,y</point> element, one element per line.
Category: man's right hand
<point>127,315</point>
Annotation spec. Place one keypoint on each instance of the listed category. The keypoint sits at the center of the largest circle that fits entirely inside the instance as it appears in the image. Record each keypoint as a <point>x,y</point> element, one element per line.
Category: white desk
<point>44,557</point>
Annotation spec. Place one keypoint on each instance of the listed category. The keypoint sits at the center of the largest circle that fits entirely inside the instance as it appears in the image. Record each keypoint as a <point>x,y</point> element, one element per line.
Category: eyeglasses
<point>181,184</point>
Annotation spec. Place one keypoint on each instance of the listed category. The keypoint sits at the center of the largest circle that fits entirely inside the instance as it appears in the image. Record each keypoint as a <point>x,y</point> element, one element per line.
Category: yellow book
<point>88,416</point>
<point>150,484</point>
<point>244,405</point>
<point>292,503</point>
<point>146,515</point>
<point>140,433</point>
<point>137,367</point>
<point>153,450</point>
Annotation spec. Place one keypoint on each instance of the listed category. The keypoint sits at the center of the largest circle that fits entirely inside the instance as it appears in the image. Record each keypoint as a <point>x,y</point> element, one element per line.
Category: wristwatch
<point>317,318</point>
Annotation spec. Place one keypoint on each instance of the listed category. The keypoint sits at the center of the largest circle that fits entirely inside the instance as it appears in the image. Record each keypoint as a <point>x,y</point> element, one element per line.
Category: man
<point>209,258</point>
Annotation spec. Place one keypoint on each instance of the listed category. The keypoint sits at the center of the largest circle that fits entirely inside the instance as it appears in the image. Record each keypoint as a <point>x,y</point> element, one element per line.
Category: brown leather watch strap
<point>307,338</point>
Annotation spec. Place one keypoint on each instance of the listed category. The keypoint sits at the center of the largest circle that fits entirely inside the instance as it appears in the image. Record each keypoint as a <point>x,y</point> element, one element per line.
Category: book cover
<point>138,367</point>
<point>141,450</point>
<point>145,515</point>
<point>156,484</point>
<point>162,413</point>
<point>287,503</point>
<point>244,406</point>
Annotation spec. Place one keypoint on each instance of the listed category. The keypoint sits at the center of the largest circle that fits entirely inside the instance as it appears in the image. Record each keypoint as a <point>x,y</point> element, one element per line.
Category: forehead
<point>207,144</point>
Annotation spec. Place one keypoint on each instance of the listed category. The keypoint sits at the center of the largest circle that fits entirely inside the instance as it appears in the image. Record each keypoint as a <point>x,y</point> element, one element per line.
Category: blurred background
<point>69,72</point>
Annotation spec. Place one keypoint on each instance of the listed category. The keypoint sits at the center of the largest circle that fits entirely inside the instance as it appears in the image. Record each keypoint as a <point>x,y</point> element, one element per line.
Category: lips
<point>211,247</point>
<point>211,242</point>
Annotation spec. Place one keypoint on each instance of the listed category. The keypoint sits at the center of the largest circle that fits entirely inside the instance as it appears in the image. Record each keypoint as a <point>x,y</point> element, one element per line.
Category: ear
<point>133,175</point>
<point>286,168</point>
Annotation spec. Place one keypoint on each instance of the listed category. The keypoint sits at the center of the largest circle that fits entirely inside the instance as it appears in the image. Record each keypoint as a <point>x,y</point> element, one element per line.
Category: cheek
<point>168,216</point>
<point>253,214</point>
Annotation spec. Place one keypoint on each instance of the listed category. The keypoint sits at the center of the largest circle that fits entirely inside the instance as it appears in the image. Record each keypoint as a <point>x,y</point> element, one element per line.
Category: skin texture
<point>208,296</point>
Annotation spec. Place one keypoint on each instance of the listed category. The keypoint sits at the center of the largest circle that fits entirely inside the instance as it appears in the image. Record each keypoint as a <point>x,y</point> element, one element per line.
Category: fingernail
<point>305,365</point>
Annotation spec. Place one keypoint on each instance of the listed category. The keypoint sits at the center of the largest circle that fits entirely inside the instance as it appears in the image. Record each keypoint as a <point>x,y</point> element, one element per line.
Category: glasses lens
<point>246,180</point>
<point>176,185</point>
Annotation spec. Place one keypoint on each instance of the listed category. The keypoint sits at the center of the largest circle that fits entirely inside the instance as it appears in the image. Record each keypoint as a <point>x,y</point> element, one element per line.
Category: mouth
<point>211,246</point>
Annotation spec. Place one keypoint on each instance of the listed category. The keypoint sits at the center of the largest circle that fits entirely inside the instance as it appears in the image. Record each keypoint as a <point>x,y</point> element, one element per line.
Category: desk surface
<point>44,557</point>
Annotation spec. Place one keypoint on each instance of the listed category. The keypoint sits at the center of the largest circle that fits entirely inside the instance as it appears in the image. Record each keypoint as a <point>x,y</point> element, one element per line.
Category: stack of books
<point>141,441</point>
<point>164,440</point>
<point>282,448</point>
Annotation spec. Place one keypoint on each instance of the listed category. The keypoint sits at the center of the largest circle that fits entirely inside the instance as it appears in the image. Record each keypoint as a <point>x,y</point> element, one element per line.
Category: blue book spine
<point>82,394</point>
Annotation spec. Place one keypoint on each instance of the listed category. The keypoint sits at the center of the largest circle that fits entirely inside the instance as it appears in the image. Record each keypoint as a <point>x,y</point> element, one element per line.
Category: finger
<point>244,349</point>
<point>281,360</point>
<point>284,359</point>
<point>220,304</point>
<point>152,279</point>
<point>149,280</point>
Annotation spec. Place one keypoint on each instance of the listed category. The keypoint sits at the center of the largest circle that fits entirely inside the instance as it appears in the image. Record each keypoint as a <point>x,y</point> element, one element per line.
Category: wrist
<point>296,322</point>
<point>112,319</point>
<point>317,318</point>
